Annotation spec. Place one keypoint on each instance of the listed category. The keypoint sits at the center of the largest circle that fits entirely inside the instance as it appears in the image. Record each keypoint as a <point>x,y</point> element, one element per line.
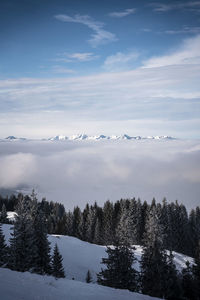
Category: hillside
<point>23,286</point>
<point>79,256</point>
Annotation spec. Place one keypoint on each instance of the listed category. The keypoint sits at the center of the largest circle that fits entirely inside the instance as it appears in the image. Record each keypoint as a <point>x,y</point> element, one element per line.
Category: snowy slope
<point>79,256</point>
<point>23,286</point>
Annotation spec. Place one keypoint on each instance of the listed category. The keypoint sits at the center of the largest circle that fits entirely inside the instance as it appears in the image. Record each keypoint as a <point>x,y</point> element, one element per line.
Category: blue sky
<point>99,67</point>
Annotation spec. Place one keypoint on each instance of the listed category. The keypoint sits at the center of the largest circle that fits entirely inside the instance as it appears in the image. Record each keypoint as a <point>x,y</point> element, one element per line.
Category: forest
<point>160,228</point>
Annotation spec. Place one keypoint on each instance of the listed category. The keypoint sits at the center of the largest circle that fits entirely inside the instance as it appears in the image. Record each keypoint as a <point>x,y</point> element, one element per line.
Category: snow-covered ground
<point>79,256</point>
<point>27,286</point>
<point>11,215</point>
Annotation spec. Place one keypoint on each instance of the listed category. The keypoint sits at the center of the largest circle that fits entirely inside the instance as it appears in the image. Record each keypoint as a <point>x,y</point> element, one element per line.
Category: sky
<point>99,67</point>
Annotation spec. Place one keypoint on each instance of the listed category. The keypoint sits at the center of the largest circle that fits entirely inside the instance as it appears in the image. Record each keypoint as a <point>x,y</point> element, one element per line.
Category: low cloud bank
<point>78,172</point>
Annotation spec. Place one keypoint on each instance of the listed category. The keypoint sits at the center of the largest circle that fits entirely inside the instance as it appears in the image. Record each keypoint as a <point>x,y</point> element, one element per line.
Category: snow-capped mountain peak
<point>83,136</point>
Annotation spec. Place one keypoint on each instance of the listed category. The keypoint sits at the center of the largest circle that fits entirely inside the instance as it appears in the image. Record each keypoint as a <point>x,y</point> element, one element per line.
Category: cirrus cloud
<point>99,37</point>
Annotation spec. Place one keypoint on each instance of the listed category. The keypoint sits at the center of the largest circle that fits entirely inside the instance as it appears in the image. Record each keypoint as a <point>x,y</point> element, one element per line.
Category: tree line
<point>29,248</point>
<point>160,228</point>
<point>103,225</point>
<point>157,275</point>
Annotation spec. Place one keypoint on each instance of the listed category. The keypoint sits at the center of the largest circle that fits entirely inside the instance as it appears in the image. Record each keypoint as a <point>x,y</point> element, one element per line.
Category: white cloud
<point>165,90</point>
<point>187,54</point>
<point>123,13</point>
<point>184,30</point>
<point>90,171</point>
<point>77,56</point>
<point>120,61</point>
<point>23,166</point>
<point>191,5</point>
<point>100,35</point>
<point>87,56</point>
<point>62,70</point>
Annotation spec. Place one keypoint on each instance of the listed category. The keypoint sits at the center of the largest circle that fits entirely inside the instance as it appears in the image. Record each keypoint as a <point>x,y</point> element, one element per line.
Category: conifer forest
<point>160,228</point>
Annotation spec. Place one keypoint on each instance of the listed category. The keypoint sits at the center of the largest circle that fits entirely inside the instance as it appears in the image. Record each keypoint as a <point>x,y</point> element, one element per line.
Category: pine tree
<point>3,249</point>
<point>42,257</point>
<point>29,245</point>
<point>172,280</point>
<point>108,230</point>
<point>188,282</point>
<point>125,225</point>
<point>21,245</point>
<point>98,232</point>
<point>3,218</point>
<point>196,272</point>
<point>193,233</point>
<point>119,272</point>
<point>77,222</point>
<point>154,257</point>
<point>57,267</point>
<point>88,278</point>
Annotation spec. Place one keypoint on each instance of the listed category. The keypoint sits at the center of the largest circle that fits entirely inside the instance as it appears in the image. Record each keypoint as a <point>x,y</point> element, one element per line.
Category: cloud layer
<point>76,173</point>
<point>187,54</point>
<point>159,98</point>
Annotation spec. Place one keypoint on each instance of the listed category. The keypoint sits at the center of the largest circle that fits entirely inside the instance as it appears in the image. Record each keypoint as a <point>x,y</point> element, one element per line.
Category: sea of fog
<point>76,172</point>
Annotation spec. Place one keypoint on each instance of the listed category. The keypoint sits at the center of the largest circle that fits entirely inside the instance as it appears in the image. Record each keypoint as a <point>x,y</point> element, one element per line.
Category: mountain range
<point>93,137</point>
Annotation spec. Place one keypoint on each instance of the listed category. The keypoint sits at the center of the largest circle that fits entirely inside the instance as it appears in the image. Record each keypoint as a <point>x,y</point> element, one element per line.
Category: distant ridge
<point>104,137</point>
<point>81,137</point>
<point>13,138</point>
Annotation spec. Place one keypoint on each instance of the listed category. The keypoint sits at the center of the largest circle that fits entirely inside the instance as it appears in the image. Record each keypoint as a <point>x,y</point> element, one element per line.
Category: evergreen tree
<point>77,222</point>
<point>173,281</point>
<point>119,272</point>
<point>88,278</point>
<point>193,233</point>
<point>196,273</point>
<point>22,243</point>
<point>3,249</point>
<point>42,256</point>
<point>154,257</point>
<point>188,282</point>
<point>29,245</point>
<point>98,231</point>
<point>108,230</point>
<point>143,217</point>
<point>69,223</point>
<point>125,225</point>
<point>3,218</point>
<point>57,267</point>
<point>180,229</point>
